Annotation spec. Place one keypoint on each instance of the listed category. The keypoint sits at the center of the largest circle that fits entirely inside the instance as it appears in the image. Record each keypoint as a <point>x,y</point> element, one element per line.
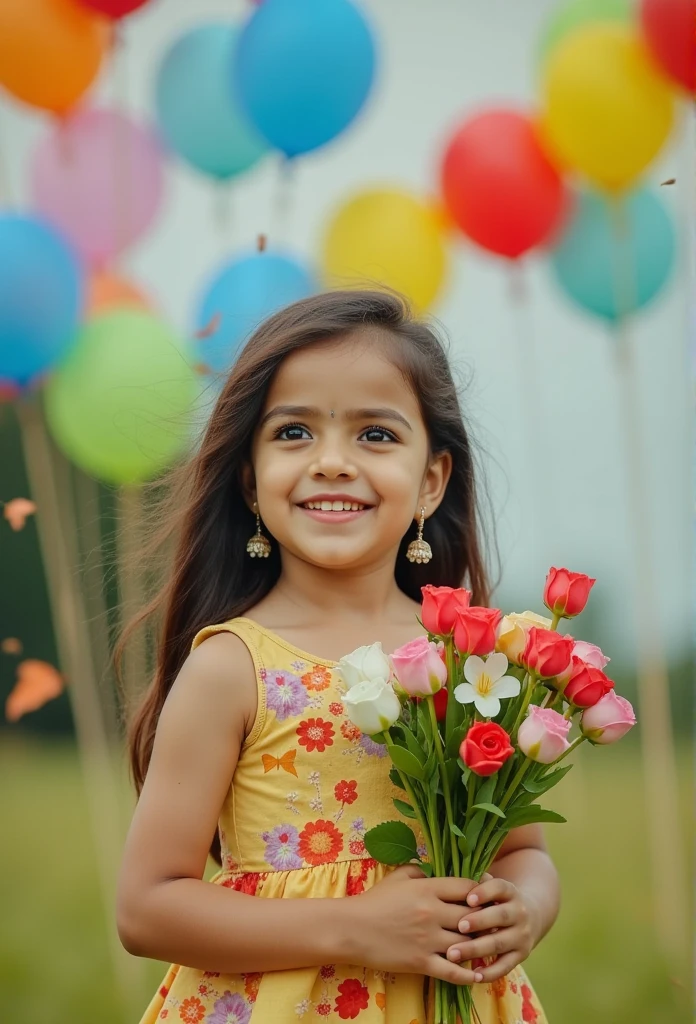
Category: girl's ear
<point>435,482</point>
<point>248,481</point>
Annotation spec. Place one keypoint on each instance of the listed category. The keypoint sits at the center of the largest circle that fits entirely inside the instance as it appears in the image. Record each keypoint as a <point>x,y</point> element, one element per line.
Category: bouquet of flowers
<point>477,717</point>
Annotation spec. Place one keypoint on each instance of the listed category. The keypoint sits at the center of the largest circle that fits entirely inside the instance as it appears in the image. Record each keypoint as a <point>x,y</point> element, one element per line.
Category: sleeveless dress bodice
<point>307,786</point>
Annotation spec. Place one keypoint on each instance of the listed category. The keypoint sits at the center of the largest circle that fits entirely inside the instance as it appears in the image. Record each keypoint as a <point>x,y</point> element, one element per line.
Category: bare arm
<point>164,909</point>
<point>524,860</point>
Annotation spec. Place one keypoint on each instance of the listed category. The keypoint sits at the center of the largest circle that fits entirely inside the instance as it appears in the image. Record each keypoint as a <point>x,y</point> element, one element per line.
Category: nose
<point>331,462</point>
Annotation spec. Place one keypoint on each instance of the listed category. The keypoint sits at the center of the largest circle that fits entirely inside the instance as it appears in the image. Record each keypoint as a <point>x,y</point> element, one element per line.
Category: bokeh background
<point>172,171</point>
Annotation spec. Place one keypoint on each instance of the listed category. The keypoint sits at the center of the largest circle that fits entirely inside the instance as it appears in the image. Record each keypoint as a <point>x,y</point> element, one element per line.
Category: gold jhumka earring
<point>258,546</point>
<point>419,550</point>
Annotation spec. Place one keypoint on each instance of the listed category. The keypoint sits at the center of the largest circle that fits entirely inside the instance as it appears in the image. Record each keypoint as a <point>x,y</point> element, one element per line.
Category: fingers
<point>438,967</point>
<point>498,916</point>
<point>494,889</point>
<point>502,966</point>
<point>496,944</point>
<point>453,890</point>
<point>410,870</point>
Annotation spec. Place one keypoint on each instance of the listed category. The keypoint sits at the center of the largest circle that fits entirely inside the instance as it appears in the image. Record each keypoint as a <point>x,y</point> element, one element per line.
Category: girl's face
<point>341,425</point>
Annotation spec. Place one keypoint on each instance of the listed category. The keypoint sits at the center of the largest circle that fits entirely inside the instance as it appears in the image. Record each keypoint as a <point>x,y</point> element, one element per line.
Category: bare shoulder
<point>219,675</point>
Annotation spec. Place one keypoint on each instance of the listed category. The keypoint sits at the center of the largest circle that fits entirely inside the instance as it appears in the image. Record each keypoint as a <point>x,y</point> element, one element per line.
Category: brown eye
<point>382,433</point>
<point>290,432</point>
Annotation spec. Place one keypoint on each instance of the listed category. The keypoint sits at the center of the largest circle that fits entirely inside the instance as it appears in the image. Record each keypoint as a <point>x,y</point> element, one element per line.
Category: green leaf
<point>378,738</point>
<point>415,747</point>
<point>396,778</point>
<point>452,771</point>
<point>544,784</point>
<point>455,740</point>
<point>485,793</point>
<point>404,808</point>
<point>392,842</point>
<point>489,807</point>
<point>473,829</point>
<point>407,763</point>
<point>528,815</point>
<point>427,868</point>
<point>463,845</point>
<point>456,829</point>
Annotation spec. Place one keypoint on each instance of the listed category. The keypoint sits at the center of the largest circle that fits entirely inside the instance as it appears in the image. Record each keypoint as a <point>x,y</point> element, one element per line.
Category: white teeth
<point>335,506</point>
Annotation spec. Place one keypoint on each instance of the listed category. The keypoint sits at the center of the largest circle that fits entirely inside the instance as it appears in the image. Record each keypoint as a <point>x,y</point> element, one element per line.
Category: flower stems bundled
<point>476,717</point>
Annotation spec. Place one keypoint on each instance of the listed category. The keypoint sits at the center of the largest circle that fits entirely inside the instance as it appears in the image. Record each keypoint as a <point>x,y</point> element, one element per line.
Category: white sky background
<point>440,61</point>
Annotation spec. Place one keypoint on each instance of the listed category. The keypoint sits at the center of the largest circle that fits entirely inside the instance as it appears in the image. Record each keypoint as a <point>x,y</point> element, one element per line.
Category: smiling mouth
<point>334,506</point>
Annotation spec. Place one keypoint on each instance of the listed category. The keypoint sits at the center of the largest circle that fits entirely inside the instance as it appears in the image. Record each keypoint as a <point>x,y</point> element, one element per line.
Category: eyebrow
<point>309,412</point>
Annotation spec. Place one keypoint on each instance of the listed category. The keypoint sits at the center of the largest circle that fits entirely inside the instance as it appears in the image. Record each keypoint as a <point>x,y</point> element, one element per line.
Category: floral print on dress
<point>319,678</point>
<point>231,1009</point>
<point>354,997</point>
<point>285,693</point>
<point>320,842</point>
<point>315,734</point>
<point>282,845</point>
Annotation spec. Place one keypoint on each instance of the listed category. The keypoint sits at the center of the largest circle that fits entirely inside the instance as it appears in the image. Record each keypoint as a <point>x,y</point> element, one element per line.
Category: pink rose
<point>586,684</point>
<point>546,652</point>
<point>440,607</point>
<point>608,720</point>
<point>543,735</point>
<point>418,667</point>
<point>590,654</point>
<point>566,592</point>
<point>474,629</point>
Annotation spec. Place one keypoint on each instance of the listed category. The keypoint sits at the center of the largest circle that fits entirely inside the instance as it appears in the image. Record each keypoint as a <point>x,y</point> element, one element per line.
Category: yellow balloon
<point>607,110</point>
<point>386,238</point>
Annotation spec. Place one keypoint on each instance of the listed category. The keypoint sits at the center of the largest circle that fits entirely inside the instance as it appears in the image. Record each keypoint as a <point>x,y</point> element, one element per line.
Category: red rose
<point>546,652</point>
<point>440,607</point>
<point>440,702</point>
<point>566,592</point>
<point>586,684</point>
<point>474,629</point>
<point>486,748</point>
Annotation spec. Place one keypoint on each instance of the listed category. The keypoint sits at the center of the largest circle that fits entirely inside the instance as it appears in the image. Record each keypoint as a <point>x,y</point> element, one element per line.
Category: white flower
<point>364,664</point>
<point>487,684</point>
<point>372,705</point>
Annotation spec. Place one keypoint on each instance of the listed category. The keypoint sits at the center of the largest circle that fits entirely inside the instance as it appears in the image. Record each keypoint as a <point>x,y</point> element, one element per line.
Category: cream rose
<point>512,633</point>
<point>364,664</point>
<point>372,705</point>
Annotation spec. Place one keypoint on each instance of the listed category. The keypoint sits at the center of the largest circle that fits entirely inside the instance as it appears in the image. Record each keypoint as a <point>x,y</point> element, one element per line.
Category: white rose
<point>364,664</point>
<point>372,705</point>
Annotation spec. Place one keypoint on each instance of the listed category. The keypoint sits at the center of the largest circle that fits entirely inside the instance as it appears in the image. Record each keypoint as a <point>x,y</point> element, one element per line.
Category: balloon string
<point>283,202</point>
<point>661,779</point>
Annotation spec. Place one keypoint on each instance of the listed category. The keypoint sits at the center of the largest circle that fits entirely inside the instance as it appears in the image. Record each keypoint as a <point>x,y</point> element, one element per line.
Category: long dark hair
<point>207,523</point>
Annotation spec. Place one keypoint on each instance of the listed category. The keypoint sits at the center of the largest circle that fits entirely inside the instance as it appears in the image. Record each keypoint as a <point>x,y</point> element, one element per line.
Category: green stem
<point>576,743</point>
<point>531,683</point>
<point>555,619</point>
<point>569,713</point>
<point>454,849</point>
<point>414,803</point>
<point>505,800</point>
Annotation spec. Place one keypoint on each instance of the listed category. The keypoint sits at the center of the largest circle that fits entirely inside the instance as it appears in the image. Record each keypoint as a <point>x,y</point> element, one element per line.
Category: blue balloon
<point>41,296</point>
<point>613,262</point>
<point>196,112</point>
<point>303,70</point>
<point>244,293</point>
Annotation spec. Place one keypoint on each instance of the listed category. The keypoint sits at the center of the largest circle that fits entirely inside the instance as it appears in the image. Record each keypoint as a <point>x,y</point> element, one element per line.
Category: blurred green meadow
<point>599,964</point>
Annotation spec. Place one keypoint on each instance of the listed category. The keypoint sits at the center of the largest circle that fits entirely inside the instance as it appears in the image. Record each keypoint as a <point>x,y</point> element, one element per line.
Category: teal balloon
<point>197,114</point>
<point>614,261</point>
<point>120,405</point>
<point>579,13</point>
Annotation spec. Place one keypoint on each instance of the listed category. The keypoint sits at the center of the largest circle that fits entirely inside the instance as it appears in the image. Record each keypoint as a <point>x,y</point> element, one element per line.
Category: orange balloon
<point>109,291</point>
<point>50,51</point>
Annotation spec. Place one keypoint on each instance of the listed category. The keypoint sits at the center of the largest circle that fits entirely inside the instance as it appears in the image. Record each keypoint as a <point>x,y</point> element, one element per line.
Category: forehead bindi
<point>342,376</point>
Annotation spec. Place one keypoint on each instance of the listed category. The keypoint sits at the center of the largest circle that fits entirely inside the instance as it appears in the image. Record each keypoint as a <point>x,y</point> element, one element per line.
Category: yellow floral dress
<point>307,787</point>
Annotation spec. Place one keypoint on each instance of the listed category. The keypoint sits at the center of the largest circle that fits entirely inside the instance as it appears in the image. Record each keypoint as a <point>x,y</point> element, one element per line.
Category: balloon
<point>99,177</point>
<point>113,8</point>
<point>388,238</point>
<point>578,13</point>
<point>499,185</point>
<point>40,297</point>
<point>303,70</point>
<point>241,295</point>
<point>669,27</point>
<point>613,261</point>
<point>109,291</point>
<point>118,406</point>
<point>196,111</point>
<point>608,110</point>
<point>50,51</point>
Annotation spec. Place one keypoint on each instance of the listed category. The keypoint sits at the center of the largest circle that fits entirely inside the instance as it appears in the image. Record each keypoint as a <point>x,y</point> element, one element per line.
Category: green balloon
<point>578,13</point>
<point>120,405</point>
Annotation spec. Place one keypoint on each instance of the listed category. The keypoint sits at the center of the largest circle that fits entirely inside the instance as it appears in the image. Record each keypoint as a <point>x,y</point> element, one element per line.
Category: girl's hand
<point>508,929</point>
<point>406,923</point>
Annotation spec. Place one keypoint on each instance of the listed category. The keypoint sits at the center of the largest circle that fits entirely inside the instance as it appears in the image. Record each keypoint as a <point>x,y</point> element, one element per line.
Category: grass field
<point>599,964</point>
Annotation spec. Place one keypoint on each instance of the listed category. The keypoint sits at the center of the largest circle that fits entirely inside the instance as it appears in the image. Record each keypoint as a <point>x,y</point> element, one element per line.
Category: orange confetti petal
<point>37,683</point>
<point>11,645</point>
<point>17,510</point>
<point>210,328</point>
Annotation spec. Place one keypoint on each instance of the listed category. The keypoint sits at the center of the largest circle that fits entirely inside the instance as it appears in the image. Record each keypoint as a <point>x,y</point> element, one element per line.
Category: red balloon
<point>113,8</point>
<point>499,186</point>
<point>669,27</point>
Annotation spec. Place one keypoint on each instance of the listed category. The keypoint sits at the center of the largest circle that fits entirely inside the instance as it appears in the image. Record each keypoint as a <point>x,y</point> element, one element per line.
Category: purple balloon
<point>99,177</point>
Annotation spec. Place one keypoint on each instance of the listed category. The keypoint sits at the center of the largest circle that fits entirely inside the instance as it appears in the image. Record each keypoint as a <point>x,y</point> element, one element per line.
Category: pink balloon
<point>98,177</point>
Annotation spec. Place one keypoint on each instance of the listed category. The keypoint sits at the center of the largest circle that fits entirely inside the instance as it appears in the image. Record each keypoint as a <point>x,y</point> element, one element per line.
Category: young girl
<point>338,424</point>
